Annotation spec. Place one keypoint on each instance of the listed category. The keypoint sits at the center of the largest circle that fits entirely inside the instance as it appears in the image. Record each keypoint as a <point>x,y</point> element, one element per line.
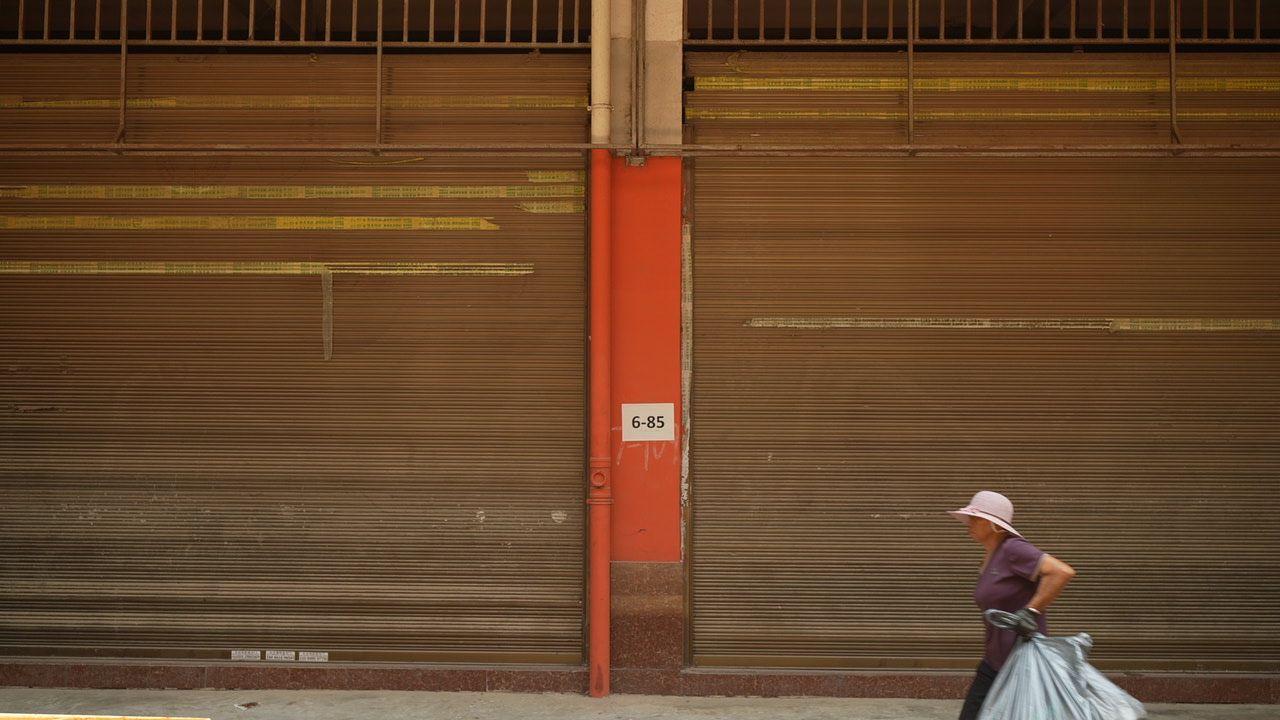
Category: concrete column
<point>657,28</point>
<point>663,34</point>
<point>621,62</point>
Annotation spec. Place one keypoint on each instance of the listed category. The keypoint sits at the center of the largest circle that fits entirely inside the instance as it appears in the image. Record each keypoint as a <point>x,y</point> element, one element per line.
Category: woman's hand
<point>1028,622</point>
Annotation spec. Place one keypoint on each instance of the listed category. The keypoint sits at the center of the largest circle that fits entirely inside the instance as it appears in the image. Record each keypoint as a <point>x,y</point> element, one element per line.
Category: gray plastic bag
<point>1050,678</point>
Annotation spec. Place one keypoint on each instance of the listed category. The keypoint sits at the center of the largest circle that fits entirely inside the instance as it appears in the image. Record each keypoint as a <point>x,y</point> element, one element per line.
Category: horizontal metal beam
<point>1030,150</point>
<point>690,150</point>
<point>373,148</point>
<point>978,42</point>
<point>215,43</point>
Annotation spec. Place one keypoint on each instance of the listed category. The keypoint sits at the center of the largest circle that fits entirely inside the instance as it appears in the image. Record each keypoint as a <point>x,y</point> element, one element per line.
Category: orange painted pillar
<point>599,492</point>
<point>646,356</point>
<point>634,349</point>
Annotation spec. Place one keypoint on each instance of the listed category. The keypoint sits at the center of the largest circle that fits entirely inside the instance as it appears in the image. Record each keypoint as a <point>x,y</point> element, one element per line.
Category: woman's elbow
<point>1059,570</point>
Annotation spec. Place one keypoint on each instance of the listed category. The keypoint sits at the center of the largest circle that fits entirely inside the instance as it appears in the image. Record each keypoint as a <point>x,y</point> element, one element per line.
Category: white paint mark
<point>559,516</point>
<point>1071,324</point>
<point>480,516</point>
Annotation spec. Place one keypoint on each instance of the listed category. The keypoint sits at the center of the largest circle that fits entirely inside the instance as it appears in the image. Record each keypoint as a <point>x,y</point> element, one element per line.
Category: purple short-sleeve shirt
<point>1008,582</point>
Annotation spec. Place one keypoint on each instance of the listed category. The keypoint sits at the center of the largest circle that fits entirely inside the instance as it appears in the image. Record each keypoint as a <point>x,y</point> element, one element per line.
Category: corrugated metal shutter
<point>876,339</point>
<point>981,98</point>
<point>330,404</point>
<point>291,99</point>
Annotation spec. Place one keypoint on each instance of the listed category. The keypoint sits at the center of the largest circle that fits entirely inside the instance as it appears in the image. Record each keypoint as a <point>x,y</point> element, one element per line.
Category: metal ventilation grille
<point>987,22</point>
<point>456,24</point>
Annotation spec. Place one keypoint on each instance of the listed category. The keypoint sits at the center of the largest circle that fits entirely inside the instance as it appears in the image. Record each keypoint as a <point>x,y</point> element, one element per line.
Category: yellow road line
<point>287,192</point>
<point>219,223</point>
<point>989,84</point>
<point>301,102</point>
<point>142,267</point>
<point>961,323</point>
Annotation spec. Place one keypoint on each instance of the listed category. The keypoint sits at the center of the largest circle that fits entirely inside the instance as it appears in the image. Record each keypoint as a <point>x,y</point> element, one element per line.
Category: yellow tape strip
<point>745,114</point>
<point>962,115</point>
<point>125,267</point>
<point>977,115</point>
<point>553,207</point>
<point>1193,325</point>
<point>969,84</point>
<point>839,84</point>
<point>1207,84</point>
<point>556,176</point>
<point>18,102</point>
<point>287,192</point>
<point>953,323</point>
<point>240,222</point>
<point>1229,115</point>
<point>486,102</point>
<point>301,102</point>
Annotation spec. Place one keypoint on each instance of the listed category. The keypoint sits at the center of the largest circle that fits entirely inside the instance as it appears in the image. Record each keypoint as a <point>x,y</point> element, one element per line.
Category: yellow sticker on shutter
<point>988,84</point>
<point>143,267</point>
<point>556,176</point>
<point>286,192</point>
<point>553,207</point>
<point>301,102</point>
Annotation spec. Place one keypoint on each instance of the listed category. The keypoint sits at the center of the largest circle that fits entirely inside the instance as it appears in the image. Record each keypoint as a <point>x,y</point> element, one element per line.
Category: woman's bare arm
<point>1054,576</point>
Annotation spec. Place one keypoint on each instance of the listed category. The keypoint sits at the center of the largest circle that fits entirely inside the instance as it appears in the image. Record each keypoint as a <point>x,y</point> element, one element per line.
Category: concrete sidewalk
<point>345,705</point>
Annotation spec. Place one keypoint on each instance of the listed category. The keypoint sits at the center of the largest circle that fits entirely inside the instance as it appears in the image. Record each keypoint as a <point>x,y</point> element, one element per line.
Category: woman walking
<point>1016,577</point>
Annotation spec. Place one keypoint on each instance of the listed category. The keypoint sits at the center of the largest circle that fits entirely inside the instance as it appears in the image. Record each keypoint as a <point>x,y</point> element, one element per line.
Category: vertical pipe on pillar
<point>600,60</point>
<point>599,485</point>
<point>600,490</point>
<point>123,121</point>
<point>913,17</point>
<point>377,107</point>
<point>1175,20</point>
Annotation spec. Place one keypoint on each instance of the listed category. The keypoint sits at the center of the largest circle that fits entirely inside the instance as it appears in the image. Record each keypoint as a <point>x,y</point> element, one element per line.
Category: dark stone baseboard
<point>1159,688</point>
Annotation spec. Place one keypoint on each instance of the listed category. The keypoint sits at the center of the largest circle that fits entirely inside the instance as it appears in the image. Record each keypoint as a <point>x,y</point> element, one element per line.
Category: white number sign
<point>648,422</point>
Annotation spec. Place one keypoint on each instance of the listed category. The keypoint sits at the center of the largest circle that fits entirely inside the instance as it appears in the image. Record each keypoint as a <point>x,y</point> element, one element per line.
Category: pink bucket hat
<point>989,506</point>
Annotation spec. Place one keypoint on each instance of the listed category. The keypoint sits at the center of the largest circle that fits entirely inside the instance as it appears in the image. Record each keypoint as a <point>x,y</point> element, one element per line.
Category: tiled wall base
<point>1151,688</point>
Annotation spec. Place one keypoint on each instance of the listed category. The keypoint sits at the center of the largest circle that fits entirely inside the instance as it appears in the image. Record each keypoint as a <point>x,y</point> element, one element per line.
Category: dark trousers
<point>978,691</point>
